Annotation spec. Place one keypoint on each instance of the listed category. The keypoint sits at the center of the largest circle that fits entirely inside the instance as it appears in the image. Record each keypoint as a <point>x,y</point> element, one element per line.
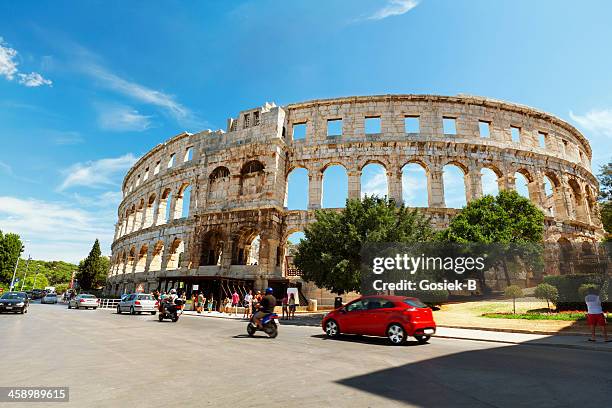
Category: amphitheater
<point>208,210</point>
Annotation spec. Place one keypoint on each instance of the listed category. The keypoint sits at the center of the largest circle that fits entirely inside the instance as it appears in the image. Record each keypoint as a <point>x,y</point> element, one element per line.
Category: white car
<point>84,301</point>
<point>49,298</point>
<point>137,303</point>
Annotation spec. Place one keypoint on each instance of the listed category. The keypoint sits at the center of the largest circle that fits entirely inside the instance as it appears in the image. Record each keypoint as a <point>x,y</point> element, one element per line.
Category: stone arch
<point>182,201</point>
<point>241,248</point>
<point>138,217</point>
<point>334,187</point>
<point>121,262</point>
<point>521,184</point>
<point>212,245</point>
<point>415,183</point>
<point>149,211</point>
<point>141,260</point>
<point>163,207</point>
<point>374,179</point>
<point>131,217</point>
<point>554,204</point>
<point>157,256</point>
<point>297,186</point>
<point>252,178</point>
<point>577,205</point>
<point>566,256</point>
<point>454,176</point>
<point>175,252</point>
<point>489,179</point>
<point>218,183</point>
<point>290,241</point>
<point>131,257</point>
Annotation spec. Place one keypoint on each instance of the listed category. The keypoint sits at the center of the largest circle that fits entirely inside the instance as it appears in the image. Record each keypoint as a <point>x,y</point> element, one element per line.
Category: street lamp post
<point>15,270</point>
<point>26,271</point>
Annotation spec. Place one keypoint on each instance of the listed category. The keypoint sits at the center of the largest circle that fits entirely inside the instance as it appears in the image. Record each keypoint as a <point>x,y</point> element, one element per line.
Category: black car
<point>14,302</point>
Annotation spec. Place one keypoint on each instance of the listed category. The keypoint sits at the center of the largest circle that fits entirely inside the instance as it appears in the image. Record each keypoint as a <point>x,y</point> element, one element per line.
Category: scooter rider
<point>266,306</point>
<point>169,300</point>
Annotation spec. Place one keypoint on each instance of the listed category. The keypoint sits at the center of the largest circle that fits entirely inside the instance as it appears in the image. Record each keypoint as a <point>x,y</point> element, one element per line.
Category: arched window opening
<point>252,178</point>
<point>141,262</point>
<point>335,187</point>
<point>177,248</point>
<point>490,182</point>
<point>218,184</point>
<point>293,241</point>
<point>521,184</point>
<point>212,248</point>
<point>156,256</point>
<point>183,199</point>
<point>549,199</point>
<point>374,181</point>
<point>297,189</point>
<point>454,186</point>
<point>414,185</point>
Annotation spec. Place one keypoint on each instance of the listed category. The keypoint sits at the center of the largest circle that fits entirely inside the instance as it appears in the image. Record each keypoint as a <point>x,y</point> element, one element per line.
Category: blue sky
<point>87,87</point>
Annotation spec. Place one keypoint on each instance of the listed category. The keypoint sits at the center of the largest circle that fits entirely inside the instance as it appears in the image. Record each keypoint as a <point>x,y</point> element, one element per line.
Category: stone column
<point>315,189</point>
<point>435,188</point>
<point>506,182</point>
<point>354,184</point>
<point>536,191</point>
<point>394,180</point>
<point>473,184</point>
<point>563,204</point>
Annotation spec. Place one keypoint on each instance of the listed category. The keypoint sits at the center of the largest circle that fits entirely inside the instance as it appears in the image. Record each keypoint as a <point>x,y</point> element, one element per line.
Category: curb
<point>568,346</point>
<point>568,333</point>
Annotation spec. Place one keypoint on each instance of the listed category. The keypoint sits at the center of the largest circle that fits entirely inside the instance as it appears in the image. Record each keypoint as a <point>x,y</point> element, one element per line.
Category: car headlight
<point>20,304</point>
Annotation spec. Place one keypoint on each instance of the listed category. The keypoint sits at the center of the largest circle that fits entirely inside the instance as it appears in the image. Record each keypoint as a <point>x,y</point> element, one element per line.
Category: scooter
<point>170,311</point>
<point>269,325</point>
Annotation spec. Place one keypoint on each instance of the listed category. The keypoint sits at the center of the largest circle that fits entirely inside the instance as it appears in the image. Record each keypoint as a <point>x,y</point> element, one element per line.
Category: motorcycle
<point>170,311</point>
<point>269,325</point>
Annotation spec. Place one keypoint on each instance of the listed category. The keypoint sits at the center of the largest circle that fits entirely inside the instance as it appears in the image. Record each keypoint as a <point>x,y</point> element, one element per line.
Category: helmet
<point>173,291</point>
<point>269,291</point>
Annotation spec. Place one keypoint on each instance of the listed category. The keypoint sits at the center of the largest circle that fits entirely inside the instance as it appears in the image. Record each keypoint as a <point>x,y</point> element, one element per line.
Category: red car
<point>394,317</point>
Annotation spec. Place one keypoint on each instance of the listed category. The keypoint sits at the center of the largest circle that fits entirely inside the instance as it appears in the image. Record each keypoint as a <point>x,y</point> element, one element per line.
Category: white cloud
<point>414,186</point>
<point>65,137</point>
<point>33,79</point>
<point>121,118</point>
<point>393,8</point>
<point>55,230</point>
<point>375,184</point>
<point>98,173</point>
<point>8,68</point>
<point>598,121</point>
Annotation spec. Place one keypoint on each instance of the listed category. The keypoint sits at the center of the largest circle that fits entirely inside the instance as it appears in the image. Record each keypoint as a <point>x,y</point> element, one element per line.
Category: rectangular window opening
<point>515,132</point>
<point>449,125</point>
<point>188,154</point>
<point>485,128</point>
<point>299,131</point>
<point>334,127</point>
<point>247,121</point>
<point>157,166</point>
<point>411,124</point>
<point>255,118</point>
<point>146,174</point>
<point>542,139</point>
<point>372,125</point>
<point>171,161</point>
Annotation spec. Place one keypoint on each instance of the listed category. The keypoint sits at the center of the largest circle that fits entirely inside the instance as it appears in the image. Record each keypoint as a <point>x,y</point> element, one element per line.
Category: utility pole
<point>15,270</point>
<point>26,271</point>
<point>35,277</point>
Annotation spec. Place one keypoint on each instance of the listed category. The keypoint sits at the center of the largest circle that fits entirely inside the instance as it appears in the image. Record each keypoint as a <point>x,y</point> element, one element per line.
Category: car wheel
<point>118,310</point>
<point>22,311</point>
<point>422,339</point>
<point>153,313</point>
<point>139,313</point>
<point>132,311</point>
<point>332,329</point>
<point>77,306</point>
<point>396,334</point>
<point>69,306</point>
<point>94,308</point>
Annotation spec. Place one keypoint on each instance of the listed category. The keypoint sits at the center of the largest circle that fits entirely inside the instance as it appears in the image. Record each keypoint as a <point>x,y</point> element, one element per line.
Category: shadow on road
<point>377,341</point>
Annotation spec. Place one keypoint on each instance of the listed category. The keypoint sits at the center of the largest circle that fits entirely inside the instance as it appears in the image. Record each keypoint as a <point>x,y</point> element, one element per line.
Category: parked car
<point>49,298</point>
<point>16,302</point>
<point>137,303</point>
<point>38,293</point>
<point>394,317</point>
<point>83,301</point>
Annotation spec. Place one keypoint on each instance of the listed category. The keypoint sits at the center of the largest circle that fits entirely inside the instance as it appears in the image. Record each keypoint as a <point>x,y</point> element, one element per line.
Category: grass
<point>566,316</point>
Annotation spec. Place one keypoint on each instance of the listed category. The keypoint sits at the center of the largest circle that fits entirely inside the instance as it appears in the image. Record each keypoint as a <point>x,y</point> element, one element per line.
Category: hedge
<point>568,287</point>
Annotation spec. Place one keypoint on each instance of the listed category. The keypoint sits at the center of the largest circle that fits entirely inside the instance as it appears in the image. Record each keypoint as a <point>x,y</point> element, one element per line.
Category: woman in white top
<point>248,304</point>
<point>595,316</point>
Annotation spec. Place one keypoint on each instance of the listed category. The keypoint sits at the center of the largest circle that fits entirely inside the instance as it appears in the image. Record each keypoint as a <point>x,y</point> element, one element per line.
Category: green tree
<point>329,255</point>
<point>547,292</point>
<point>93,270</point>
<point>10,250</point>
<point>509,223</point>
<point>513,292</point>
<point>605,196</point>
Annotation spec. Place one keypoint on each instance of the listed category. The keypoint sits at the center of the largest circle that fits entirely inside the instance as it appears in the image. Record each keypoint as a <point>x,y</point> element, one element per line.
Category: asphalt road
<point>111,360</point>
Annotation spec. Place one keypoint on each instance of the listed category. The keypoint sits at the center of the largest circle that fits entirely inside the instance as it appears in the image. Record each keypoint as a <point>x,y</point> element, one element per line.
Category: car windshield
<point>145,297</point>
<point>51,295</point>
<point>414,303</point>
<point>13,296</point>
<point>88,297</point>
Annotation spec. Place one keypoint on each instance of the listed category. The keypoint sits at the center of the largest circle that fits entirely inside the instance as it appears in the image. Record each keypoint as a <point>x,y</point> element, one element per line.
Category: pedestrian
<point>201,302</point>
<point>292,306</point>
<point>595,314</point>
<point>284,308</point>
<point>248,304</point>
<point>210,303</point>
<point>235,302</point>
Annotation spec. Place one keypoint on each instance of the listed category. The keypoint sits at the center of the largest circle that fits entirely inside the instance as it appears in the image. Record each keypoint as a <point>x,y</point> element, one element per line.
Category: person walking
<point>595,314</point>
<point>248,304</point>
<point>235,302</point>
<point>292,306</point>
<point>284,308</point>
<point>201,302</point>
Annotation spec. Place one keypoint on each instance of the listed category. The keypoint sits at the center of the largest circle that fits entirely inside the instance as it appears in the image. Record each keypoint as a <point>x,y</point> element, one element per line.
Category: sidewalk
<point>566,341</point>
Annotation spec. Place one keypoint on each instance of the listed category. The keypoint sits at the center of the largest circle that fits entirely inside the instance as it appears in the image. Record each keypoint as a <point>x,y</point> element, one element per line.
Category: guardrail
<point>109,303</point>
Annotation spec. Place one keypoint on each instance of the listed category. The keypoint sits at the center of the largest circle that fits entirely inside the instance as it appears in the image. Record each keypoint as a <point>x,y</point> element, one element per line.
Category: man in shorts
<point>595,316</point>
